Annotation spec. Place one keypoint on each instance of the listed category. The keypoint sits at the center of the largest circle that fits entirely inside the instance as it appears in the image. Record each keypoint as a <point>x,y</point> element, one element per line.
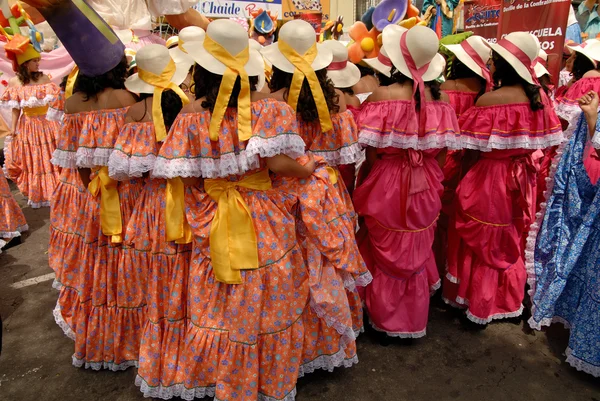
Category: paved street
<point>501,363</point>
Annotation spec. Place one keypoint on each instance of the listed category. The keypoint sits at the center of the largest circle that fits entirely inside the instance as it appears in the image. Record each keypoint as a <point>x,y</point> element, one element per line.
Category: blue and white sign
<point>237,8</point>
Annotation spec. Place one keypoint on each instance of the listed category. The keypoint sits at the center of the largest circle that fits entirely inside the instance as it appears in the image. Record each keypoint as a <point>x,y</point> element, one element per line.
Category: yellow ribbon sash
<point>35,111</point>
<point>333,175</point>
<point>304,70</point>
<point>178,229</point>
<point>161,83</point>
<point>235,67</point>
<point>110,207</point>
<point>71,79</point>
<point>233,245</point>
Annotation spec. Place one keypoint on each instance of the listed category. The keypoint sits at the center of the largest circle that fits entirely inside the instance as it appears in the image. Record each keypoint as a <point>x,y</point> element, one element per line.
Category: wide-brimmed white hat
<point>301,36</point>
<point>463,53</point>
<point>187,35</point>
<point>540,65</point>
<point>519,49</point>
<point>154,59</point>
<point>172,41</point>
<point>234,39</point>
<point>422,44</point>
<point>262,80</point>
<point>382,62</point>
<point>342,73</point>
<point>589,48</point>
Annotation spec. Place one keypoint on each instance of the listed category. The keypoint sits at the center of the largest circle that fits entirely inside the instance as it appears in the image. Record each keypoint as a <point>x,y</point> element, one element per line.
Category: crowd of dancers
<point>222,212</point>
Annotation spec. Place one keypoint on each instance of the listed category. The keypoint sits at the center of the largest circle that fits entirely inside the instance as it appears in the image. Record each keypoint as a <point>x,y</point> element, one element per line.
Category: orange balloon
<point>412,11</point>
<point>355,53</point>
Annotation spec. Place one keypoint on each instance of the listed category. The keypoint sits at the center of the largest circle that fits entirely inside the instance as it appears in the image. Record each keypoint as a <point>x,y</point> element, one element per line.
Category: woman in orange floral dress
<point>12,220</point>
<point>248,289</point>
<point>29,147</point>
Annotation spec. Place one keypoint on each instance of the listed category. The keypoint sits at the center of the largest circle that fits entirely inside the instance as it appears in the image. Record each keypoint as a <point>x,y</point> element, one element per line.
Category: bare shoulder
<point>592,74</point>
<point>448,85</point>
<point>45,79</point>
<point>444,97</point>
<point>14,81</point>
<point>193,107</point>
<point>379,94</point>
<point>125,98</point>
<point>139,111</point>
<point>74,103</point>
<point>490,98</point>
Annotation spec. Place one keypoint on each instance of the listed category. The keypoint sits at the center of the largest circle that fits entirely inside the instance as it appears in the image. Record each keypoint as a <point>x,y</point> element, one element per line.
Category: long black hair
<point>206,85</point>
<point>170,103</point>
<point>458,70</point>
<point>307,108</point>
<point>93,86</point>
<point>505,75</point>
<point>581,65</point>
<point>434,86</point>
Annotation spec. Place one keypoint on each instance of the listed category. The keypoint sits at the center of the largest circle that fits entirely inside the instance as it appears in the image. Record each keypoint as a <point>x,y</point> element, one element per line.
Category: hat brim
<point>181,57</point>
<point>378,66</point>
<point>511,59</point>
<point>135,84</point>
<point>540,70</point>
<point>254,67</point>
<point>581,50</point>
<point>346,77</point>
<point>391,42</point>
<point>464,58</point>
<point>277,59</point>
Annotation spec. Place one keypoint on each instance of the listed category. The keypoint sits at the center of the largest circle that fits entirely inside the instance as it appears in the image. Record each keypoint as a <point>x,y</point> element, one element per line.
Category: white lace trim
<point>347,333</point>
<point>451,278</point>
<point>122,167</point>
<point>452,303</point>
<point>433,288</point>
<point>60,321</point>
<point>417,334</point>
<point>78,363</point>
<point>188,394</point>
<point>581,365</point>
<point>7,154</point>
<point>55,115</point>
<point>462,301</point>
<point>328,363</point>
<point>364,279</point>
<point>14,234</point>
<point>547,322</point>
<point>64,159</point>
<point>38,205</point>
<point>568,112</point>
<point>496,142</point>
<point>497,316</point>
<point>57,285</point>
<point>433,141</point>
<point>347,155</point>
<point>28,103</point>
<point>90,158</point>
<point>230,164</point>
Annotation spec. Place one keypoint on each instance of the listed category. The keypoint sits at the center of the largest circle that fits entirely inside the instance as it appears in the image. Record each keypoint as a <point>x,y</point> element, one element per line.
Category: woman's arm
<point>16,113</point>
<point>288,167</point>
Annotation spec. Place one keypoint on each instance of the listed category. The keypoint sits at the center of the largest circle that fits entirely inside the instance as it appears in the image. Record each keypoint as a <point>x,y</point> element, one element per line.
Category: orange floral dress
<point>28,154</point>
<point>239,341</point>
<point>93,307</point>
<point>12,220</point>
<point>56,109</point>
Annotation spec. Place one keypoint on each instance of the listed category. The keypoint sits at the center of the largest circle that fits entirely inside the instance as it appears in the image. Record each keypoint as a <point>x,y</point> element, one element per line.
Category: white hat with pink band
<point>475,53</point>
<point>342,73</point>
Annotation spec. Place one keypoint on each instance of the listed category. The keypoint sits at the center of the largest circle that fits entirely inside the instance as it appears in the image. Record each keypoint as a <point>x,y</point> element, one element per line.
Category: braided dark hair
<point>93,86</point>
<point>207,84</point>
<point>581,65</point>
<point>505,75</point>
<point>307,108</point>
<point>170,103</point>
<point>458,70</point>
<point>434,86</point>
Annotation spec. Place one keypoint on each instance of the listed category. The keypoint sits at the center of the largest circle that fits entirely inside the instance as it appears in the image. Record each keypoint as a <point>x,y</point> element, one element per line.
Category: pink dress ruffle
<point>495,204</point>
<point>400,203</point>
<point>395,124</point>
<point>29,152</point>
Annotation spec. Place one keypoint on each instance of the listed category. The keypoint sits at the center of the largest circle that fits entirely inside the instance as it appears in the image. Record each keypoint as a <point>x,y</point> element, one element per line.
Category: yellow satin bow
<point>110,207</point>
<point>233,245</point>
<point>161,83</point>
<point>235,67</point>
<point>178,229</point>
<point>333,175</point>
<point>71,79</point>
<point>305,70</point>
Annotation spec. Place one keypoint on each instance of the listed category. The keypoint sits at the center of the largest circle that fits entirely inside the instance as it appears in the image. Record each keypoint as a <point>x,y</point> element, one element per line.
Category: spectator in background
<point>588,18</point>
<point>573,30</point>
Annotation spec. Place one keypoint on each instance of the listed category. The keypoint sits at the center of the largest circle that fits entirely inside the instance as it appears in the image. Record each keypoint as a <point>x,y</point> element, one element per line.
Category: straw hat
<point>422,44</point>
<point>519,49</point>
<point>172,41</point>
<point>300,35</point>
<point>262,80</point>
<point>481,47</point>
<point>342,73</point>
<point>589,48</point>
<point>234,39</point>
<point>382,62</point>
<point>186,35</point>
<point>154,59</point>
<point>540,65</point>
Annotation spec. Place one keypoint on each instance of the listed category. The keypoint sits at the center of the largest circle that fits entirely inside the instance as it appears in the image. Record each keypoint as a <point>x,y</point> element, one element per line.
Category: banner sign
<point>292,8</point>
<point>237,8</point>
<point>546,19</point>
<point>482,18</point>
